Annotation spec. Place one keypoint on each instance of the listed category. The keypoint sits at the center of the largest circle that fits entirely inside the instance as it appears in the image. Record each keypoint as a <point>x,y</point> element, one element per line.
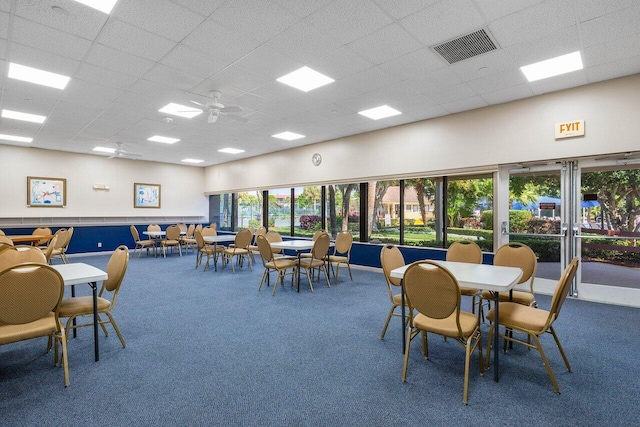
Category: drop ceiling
<point>127,65</point>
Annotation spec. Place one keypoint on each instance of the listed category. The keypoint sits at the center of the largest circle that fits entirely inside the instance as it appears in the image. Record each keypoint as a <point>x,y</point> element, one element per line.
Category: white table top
<point>78,273</point>
<point>155,233</point>
<point>481,276</point>
<point>296,245</point>
<point>219,238</point>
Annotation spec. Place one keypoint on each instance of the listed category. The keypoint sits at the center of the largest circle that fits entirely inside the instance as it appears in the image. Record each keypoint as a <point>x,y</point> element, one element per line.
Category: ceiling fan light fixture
<point>213,117</point>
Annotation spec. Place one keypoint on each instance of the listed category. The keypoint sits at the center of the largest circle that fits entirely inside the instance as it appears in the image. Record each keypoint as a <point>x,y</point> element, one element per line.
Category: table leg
<point>298,271</point>
<point>496,337</point>
<point>73,294</point>
<point>94,287</point>
<point>215,256</point>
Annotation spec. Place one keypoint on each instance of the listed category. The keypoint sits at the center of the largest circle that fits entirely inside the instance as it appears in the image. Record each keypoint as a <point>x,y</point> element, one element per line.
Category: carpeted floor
<point>206,348</point>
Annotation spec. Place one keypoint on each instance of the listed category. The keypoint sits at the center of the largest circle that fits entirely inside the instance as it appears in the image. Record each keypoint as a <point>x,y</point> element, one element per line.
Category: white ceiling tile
<point>385,44</point>
<point>340,63</point>
<point>259,20</point>
<point>590,9</point>
<point>497,81</point>
<point>278,92</point>
<point>161,17</point>
<point>612,70</point>
<point>18,101</point>
<point>194,62</point>
<point>434,81</point>
<point>163,94</point>
<point>554,44</point>
<point>4,25</point>
<point>613,51</point>
<point>483,65</point>
<point>128,38</point>
<point>302,8</point>
<point>43,60</point>
<point>3,51</point>
<point>453,93</point>
<point>103,76</point>
<point>252,102</point>
<point>42,37</point>
<point>611,27</point>
<point>393,93</point>
<point>79,20</point>
<point>400,9</point>
<point>532,23</point>
<point>465,104</point>
<point>508,94</point>
<point>172,78</point>
<point>202,92</point>
<point>5,5</point>
<point>219,41</point>
<point>304,43</point>
<point>116,60</point>
<point>447,20</point>
<point>269,62</point>
<point>239,78</point>
<point>88,93</point>
<point>202,7</point>
<point>370,79</point>
<point>348,20</point>
<point>494,9</point>
<point>414,63</point>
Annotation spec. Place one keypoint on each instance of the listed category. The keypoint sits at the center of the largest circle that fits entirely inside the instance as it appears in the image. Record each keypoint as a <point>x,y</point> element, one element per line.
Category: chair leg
<point>115,327</point>
<point>386,324</point>
<point>489,343</point>
<point>564,356</point>
<point>467,360</point>
<point>326,274</point>
<point>546,363</point>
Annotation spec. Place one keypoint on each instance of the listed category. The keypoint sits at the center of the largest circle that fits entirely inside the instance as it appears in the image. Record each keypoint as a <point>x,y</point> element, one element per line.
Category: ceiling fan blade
<point>200,104</point>
<point>232,109</point>
<point>212,118</point>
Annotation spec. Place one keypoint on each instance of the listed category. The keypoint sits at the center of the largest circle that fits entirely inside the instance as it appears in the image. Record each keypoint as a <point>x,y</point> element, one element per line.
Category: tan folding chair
<point>141,244</point>
<point>273,264</point>
<point>205,249</point>
<point>318,256</point>
<point>17,255</point>
<point>341,253</point>
<point>171,240</point>
<point>534,321</point>
<point>30,296</point>
<point>62,241</point>
<point>433,293</point>
<point>466,251</point>
<point>390,259</point>
<point>42,231</point>
<point>74,307</point>
<point>240,250</point>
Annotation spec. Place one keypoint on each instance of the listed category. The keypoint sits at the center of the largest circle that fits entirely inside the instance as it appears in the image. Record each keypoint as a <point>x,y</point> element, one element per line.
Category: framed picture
<point>146,195</point>
<point>46,192</point>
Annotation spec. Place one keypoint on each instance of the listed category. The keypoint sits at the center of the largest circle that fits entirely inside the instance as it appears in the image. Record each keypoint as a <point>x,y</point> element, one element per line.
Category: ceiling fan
<point>121,153</point>
<point>216,109</point>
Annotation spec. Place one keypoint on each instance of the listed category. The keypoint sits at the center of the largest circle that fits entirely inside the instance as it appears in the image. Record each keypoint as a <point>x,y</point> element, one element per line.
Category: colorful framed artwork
<point>146,195</point>
<point>46,192</point>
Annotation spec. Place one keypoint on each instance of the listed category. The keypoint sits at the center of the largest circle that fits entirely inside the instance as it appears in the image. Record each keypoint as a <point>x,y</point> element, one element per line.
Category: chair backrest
<point>2,233</point>
<point>199,227</point>
<point>344,241</point>
<point>562,290</point>
<point>173,232</point>
<point>518,255</point>
<point>5,241</point>
<point>213,225</point>
<point>274,237</point>
<point>464,251</point>
<point>29,292</point>
<point>153,227</point>
<point>50,247</point>
<point>69,235</point>
<point>116,267</point>
<point>321,246</point>
<point>42,231</point>
<point>432,290</point>
<point>261,230</point>
<point>243,239</point>
<point>134,233</point>
<point>191,230</point>
<point>208,231</point>
<point>62,235</point>
<point>182,226</point>
<point>199,239</point>
<point>265,248</point>
<point>13,256</point>
<point>317,234</point>
<point>390,259</point>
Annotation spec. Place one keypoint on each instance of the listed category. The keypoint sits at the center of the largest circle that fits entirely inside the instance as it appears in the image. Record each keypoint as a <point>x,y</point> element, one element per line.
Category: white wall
<point>182,194</point>
<point>514,132</point>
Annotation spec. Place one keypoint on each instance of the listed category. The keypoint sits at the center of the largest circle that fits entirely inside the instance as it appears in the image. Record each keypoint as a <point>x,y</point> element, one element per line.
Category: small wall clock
<point>316,159</point>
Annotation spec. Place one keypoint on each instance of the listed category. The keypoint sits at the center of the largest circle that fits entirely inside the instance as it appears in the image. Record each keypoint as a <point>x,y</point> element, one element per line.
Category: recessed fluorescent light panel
<point>163,139</point>
<point>15,138</point>
<point>231,150</point>
<point>289,136</point>
<point>553,67</point>
<point>305,79</point>
<point>180,110</point>
<point>101,5</point>
<point>17,115</point>
<point>40,77</point>
<point>192,160</point>
<point>380,112</point>
<point>105,150</point>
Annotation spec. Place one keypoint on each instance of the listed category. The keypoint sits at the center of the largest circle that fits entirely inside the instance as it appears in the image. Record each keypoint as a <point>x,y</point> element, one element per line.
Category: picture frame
<point>46,192</point>
<point>146,195</point>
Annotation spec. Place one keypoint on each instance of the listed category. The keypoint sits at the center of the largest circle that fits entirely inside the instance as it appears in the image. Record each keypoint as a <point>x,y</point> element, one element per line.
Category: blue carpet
<point>206,348</point>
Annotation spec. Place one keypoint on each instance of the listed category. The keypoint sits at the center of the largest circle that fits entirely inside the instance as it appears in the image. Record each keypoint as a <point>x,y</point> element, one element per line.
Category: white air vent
<point>466,47</point>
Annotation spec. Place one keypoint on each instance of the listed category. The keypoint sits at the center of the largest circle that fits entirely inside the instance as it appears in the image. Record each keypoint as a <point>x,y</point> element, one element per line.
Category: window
<point>280,211</point>
<point>469,205</point>
<point>249,209</point>
<point>307,210</point>
<point>343,209</point>
<point>420,225</point>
